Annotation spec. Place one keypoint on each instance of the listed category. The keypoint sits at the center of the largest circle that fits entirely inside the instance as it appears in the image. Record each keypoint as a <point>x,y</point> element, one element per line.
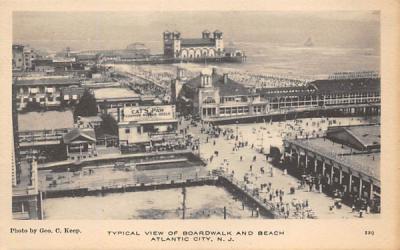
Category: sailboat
<point>309,43</point>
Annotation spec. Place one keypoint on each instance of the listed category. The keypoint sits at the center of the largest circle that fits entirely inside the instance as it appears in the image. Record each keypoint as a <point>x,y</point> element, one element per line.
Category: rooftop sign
<point>148,113</point>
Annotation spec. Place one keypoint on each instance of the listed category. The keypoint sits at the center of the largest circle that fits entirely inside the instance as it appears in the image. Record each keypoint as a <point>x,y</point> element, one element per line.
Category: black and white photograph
<point>196,115</point>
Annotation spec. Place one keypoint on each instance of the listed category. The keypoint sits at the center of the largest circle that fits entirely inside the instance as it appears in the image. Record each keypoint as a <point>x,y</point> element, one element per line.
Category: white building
<point>209,45</point>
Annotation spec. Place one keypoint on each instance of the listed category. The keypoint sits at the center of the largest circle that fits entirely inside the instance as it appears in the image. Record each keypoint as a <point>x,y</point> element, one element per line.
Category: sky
<point>115,30</point>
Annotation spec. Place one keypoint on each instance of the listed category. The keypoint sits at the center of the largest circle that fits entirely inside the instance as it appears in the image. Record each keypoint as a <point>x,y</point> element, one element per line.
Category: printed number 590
<point>369,232</point>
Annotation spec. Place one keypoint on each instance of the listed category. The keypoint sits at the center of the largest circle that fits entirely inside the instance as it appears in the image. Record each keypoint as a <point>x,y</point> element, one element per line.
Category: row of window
<point>352,95</point>
<point>287,91</point>
<point>39,99</point>
<point>234,110</point>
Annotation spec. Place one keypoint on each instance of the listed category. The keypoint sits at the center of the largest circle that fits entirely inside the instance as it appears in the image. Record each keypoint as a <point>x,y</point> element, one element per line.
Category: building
<point>133,52</point>
<point>40,134</point>
<point>26,198</point>
<point>80,143</point>
<point>208,46</point>
<point>42,92</point>
<point>72,94</point>
<point>211,95</point>
<point>22,57</point>
<point>16,164</point>
<point>148,125</point>
<point>86,58</point>
<point>110,100</point>
<point>217,98</point>
<point>347,160</point>
<point>43,65</point>
<point>18,57</point>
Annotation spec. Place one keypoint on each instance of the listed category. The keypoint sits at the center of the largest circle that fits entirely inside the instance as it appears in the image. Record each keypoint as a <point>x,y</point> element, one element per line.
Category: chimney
<point>225,78</point>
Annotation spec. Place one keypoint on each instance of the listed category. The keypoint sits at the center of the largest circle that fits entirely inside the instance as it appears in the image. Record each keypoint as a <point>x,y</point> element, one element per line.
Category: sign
<point>148,113</point>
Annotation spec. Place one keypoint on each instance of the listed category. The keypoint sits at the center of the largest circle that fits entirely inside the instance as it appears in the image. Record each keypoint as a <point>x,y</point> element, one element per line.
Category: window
<point>127,131</point>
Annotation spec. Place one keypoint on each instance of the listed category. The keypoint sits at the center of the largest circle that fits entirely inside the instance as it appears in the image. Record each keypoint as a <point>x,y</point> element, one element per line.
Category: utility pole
<point>183,202</point>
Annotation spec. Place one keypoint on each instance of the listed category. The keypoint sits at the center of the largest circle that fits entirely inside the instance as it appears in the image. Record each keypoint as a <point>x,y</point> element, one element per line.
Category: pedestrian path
<point>258,172</point>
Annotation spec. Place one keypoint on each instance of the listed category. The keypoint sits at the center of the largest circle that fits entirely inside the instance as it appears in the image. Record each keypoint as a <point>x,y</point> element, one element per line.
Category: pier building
<point>209,46</point>
<point>217,98</point>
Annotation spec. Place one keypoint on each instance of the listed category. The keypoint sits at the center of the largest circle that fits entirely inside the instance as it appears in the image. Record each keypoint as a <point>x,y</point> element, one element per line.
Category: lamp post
<point>237,134</point>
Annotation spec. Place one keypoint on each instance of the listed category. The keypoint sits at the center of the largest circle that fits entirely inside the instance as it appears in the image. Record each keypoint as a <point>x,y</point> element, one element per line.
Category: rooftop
<point>189,42</point>
<point>231,88</point>
<point>366,135</point>
<point>47,81</point>
<point>73,90</point>
<point>87,134</point>
<point>286,91</point>
<point>86,56</point>
<point>32,121</point>
<point>366,163</point>
<point>110,93</point>
<point>347,85</point>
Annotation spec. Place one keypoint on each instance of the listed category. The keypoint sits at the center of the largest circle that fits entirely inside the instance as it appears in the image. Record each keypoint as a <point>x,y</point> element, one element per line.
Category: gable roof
<point>88,134</point>
<point>231,88</point>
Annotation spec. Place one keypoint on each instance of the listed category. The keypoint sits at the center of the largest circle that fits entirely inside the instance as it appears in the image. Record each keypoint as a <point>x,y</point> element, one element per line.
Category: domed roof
<point>176,32</point>
<point>167,32</point>
<point>217,31</point>
<point>206,31</point>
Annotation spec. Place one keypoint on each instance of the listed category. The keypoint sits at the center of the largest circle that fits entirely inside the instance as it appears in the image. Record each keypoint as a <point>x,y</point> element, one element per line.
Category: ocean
<point>293,60</point>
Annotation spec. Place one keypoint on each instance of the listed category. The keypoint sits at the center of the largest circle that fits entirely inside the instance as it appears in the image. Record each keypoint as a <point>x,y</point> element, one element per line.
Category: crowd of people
<point>279,199</point>
<point>265,80</point>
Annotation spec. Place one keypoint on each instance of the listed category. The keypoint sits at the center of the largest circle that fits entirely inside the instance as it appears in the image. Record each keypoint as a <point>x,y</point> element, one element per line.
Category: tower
<point>219,43</point>
<point>167,43</point>
<point>176,43</point>
<point>205,34</point>
<point>205,77</point>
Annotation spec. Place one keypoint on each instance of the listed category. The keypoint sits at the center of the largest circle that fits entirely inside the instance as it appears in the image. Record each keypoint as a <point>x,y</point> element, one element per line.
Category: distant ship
<point>309,43</point>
